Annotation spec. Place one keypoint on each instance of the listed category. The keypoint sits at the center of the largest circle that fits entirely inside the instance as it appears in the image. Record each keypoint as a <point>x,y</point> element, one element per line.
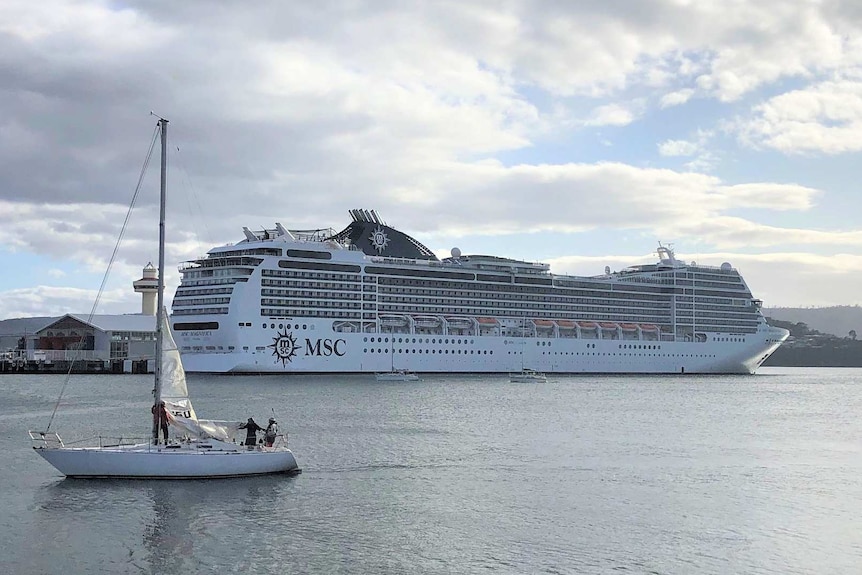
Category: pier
<point>54,361</point>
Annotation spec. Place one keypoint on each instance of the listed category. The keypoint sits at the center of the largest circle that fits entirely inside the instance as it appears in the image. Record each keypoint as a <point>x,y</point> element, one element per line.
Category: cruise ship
<point>371,298</point>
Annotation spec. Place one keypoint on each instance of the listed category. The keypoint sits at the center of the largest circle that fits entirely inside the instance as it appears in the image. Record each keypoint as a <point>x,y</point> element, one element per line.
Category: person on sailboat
<point>251,428</point>
<point>271,432</point>
<point>160,419</point>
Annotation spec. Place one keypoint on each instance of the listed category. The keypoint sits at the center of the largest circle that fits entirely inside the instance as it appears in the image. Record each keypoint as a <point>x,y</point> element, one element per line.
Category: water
<point>460,475</point>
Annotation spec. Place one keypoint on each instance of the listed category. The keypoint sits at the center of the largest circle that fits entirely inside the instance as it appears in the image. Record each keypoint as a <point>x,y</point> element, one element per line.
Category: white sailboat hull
<point>527,378</point>
<point>205,450</point>
<point>184,462</point>
<point>397,376</point>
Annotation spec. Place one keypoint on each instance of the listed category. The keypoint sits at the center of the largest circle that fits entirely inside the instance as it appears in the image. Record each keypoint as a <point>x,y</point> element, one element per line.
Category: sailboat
<point>396,374</point>
<point>526,375</point>
<point>199,449</point>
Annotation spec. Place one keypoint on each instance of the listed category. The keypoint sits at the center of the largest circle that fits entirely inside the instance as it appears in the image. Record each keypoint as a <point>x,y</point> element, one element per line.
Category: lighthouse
<point>148,287</point>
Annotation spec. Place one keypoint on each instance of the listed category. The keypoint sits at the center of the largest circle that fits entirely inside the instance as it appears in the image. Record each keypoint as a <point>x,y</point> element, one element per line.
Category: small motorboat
<point>527,375</point>
<point>397,375</point>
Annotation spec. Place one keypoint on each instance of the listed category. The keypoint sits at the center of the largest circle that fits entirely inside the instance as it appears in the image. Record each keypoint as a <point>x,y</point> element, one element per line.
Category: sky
<point>577,133</point>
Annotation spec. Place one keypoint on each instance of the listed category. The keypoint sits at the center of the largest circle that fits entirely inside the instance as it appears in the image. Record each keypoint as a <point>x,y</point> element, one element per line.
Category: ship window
<point>309,254</point>
<point>196,326</point>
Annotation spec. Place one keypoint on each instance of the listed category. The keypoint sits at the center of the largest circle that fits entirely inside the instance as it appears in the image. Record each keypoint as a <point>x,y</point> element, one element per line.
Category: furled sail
<point>175,394</point>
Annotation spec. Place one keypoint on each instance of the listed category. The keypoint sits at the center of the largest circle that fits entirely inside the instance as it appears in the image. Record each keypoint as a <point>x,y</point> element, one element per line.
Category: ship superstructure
<point>371,298</point>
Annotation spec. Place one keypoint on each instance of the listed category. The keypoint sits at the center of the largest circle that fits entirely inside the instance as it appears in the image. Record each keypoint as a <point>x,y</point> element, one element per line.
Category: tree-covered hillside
<point>811,348</point>
<point>838,320</point>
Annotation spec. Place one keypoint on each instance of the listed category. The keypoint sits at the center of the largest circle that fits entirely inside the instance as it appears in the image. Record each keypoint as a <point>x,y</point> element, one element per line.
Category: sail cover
<point>175,394</point>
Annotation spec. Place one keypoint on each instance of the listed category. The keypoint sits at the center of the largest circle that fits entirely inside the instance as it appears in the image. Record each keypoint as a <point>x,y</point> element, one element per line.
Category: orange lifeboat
<point>544,323</point>
<point>566,324</point>
<point>608,325</point>
<point>649,327</point>
<point>629,326</point>
<point>587,325</point>
<point>487,320</point>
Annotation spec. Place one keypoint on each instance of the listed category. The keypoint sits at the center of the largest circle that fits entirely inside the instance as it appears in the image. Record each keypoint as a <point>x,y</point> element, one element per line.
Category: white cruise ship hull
<point>370,299</point>
<point>316,351</point>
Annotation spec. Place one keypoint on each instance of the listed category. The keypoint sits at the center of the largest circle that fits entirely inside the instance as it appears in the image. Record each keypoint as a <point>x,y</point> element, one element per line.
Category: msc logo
<point>324,347</point>
<point>285,347</point>
<point>379,240</point>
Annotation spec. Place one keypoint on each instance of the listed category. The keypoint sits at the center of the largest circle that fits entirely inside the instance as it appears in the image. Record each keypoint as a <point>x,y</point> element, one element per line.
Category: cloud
<point>704,159</point>
<point>433,112</point>
<point>738,233</point>
<point>611,115</point>
<point>54,301</point>
<point>676,98</point>
<point>826,117</point>
<point>677,148</point>
<point>768,275</point>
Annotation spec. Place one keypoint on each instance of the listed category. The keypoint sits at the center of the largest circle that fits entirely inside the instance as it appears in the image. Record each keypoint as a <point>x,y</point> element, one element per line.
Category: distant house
<point>100,337</point>
<point>19,334</point>
<point>74,337</point>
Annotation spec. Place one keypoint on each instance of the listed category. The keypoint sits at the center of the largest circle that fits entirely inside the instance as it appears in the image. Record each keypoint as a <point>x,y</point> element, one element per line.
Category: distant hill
<point>811,348</point>
<point>838,320</point>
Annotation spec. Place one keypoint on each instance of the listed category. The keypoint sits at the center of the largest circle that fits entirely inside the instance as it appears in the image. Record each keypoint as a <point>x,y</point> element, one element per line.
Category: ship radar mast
<point>666,257</point>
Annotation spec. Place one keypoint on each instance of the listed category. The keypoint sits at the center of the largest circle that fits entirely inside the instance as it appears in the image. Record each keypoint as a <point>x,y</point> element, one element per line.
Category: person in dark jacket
<point>251,429</point>
<point>160,420</point>
<point>271,432</point>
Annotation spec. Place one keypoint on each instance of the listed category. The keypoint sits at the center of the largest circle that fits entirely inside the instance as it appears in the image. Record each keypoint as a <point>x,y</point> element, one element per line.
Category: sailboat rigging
<point>526,375</point>
<point>204,448</point>
<point>396,374</point>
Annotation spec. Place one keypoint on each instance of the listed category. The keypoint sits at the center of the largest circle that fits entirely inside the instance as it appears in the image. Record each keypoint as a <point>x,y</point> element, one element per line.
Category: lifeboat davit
<point>393,320</point>
<point>426,321</point>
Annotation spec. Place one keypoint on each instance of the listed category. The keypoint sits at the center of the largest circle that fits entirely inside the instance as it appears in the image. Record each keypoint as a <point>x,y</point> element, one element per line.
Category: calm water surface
<point>662,475</point>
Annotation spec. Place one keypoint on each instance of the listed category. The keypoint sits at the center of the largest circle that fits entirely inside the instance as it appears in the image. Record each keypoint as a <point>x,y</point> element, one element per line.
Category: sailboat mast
<point>160,309</point>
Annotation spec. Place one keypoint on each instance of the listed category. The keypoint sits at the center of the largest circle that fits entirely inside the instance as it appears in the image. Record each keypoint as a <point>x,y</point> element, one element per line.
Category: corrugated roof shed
<point>125,322</point>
